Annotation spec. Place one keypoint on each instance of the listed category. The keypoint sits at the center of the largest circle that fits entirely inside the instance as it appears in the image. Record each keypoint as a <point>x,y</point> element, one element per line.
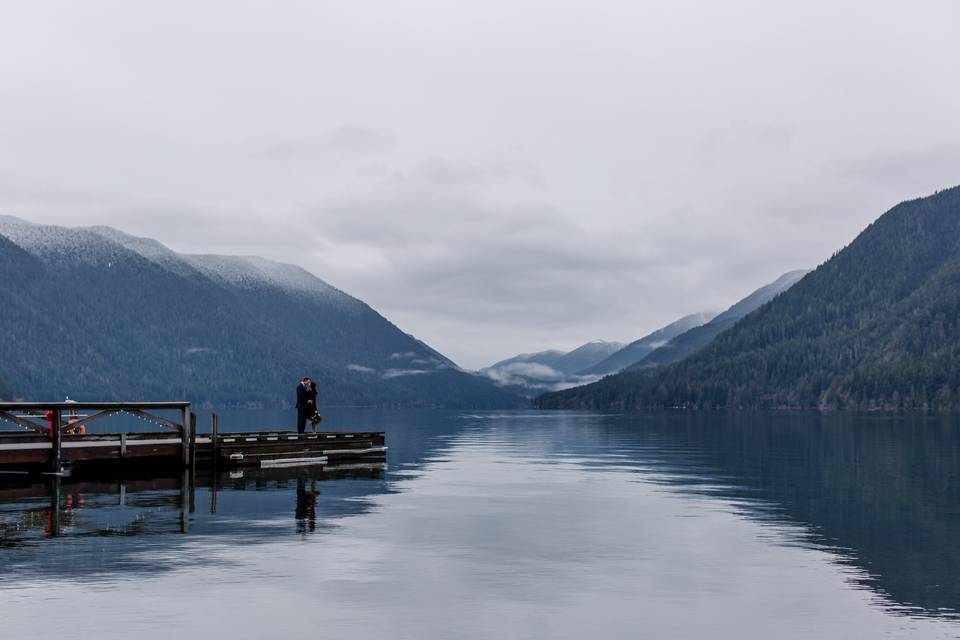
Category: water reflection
<point>549,512</point>
<point>35,508</point>
<point>880,493</point>
<point>306,506</point>
<point>149,512</point>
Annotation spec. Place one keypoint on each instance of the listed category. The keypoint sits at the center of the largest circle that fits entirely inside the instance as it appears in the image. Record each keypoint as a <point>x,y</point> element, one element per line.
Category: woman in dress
<point>312,405</point>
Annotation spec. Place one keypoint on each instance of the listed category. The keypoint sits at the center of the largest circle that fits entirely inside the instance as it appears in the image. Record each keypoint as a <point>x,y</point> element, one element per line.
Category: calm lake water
<point>514,525</point>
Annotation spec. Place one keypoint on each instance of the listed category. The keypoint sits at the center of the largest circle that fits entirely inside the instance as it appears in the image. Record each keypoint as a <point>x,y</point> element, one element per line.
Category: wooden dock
<point>51,436</point>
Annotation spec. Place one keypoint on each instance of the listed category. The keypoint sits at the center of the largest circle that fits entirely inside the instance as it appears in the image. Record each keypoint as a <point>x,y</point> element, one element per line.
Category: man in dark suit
<point>303,412</point>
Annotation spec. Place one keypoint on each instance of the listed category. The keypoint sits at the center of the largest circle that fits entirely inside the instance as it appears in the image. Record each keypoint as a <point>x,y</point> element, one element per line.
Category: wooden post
<point>215,455</point>
<point>185,435</point>
<point>193,462</point>
<point>214,429</point>
<point>193,440</point>
<point>56,451</point>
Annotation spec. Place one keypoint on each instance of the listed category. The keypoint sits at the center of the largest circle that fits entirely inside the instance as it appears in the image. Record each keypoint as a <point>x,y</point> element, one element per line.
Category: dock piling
<point>185,434</point>
<point>193,440</point>
<point>56,450</point>
<point>214,429</point>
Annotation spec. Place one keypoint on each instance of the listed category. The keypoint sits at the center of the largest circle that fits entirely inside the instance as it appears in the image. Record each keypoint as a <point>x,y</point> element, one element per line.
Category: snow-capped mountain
<point>96,313</point>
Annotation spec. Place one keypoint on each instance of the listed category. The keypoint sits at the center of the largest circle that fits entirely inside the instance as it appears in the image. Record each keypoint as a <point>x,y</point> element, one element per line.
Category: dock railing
<point>50,416</point>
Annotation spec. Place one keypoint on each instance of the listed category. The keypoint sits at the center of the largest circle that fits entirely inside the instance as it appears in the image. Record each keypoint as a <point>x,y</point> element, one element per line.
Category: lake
<point>514,525</point>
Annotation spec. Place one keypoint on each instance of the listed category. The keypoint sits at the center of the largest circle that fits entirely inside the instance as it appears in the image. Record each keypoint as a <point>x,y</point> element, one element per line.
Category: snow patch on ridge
<point>106,246</point>
<point>253,272</point>
<point>62,246</point>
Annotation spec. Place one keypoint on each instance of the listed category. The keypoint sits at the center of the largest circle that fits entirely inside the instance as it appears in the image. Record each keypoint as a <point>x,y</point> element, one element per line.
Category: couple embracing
<point>307,405</point>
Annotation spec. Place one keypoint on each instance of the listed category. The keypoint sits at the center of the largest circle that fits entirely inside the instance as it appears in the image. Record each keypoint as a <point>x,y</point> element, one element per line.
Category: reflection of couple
<point>307,405</point>
<point>306,506</point>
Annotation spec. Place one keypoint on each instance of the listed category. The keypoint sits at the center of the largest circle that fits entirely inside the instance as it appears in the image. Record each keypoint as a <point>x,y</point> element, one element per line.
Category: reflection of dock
<point>53,435</point>
<point>126,502</point>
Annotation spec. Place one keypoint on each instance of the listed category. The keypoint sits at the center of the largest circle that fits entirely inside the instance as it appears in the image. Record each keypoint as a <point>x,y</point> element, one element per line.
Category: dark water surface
<point>513,525</point>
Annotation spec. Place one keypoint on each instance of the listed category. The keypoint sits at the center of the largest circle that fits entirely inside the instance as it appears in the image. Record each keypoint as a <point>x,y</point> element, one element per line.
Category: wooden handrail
<point>113,406</point>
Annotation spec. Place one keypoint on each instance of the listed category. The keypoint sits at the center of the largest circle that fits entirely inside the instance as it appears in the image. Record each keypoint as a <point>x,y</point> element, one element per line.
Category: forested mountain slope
<point>96,314</point>
<point>689,342</point>
<point>588,355</point>
<point>639,349</point>
<point>875,327</point>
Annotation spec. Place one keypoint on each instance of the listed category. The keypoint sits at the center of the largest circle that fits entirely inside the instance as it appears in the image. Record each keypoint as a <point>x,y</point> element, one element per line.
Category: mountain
<point>96,313</point>
<point>875,327</point>
<point>587,355</point>
<point>18,269</point>
<point>554,370</point>
<point>529,373</point>
<point>639,349</point>
<point>551,358</point>
<point>697,338</point>
<point>565,362</point>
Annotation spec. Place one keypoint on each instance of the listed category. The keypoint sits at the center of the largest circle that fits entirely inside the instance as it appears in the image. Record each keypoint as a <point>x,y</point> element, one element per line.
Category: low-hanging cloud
<point>534,377</point>
<point>360,368</point>
<point>398,373</point>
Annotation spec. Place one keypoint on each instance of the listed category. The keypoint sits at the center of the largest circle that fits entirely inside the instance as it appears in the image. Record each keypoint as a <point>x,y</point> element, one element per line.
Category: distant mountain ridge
<point>97,313</point>
<point>639,349</point>
<point>557,370</point>
<point>877,326</point>
<point>689,342</point>
<point>528,373</point>
<point>569,362</point>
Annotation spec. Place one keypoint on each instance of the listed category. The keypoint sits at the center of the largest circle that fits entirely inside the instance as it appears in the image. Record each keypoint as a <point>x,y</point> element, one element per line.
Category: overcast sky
<point>493,177</point>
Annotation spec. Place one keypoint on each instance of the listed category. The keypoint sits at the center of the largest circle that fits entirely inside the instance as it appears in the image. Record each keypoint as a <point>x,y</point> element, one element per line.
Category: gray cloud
<point>901,169</point>
<point>491,186</point>
<point>739,138</point>
<point>446,173</point>
<point>346,140</point>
